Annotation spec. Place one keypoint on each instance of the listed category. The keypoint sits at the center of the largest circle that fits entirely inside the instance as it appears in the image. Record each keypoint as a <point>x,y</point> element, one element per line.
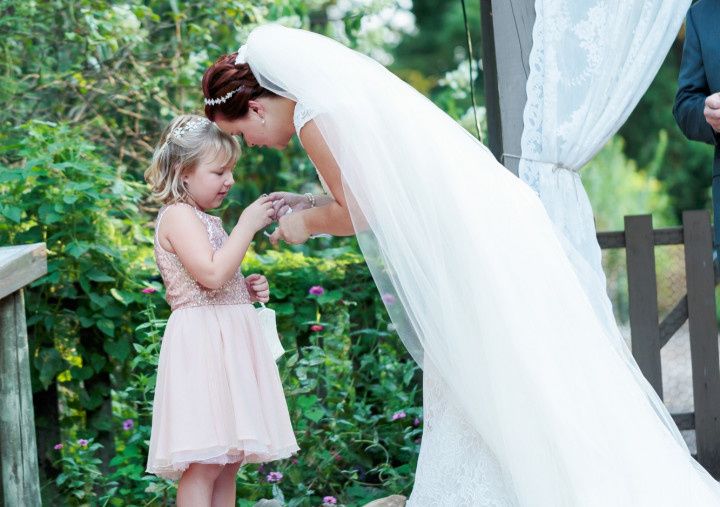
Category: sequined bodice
<point>181,290</point>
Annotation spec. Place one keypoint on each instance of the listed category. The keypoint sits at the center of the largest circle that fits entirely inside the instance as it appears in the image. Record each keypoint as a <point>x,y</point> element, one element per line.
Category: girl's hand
<point>291,229</point>
<point>283,201</point>
<point>258,287</point>
<point>258,215</point>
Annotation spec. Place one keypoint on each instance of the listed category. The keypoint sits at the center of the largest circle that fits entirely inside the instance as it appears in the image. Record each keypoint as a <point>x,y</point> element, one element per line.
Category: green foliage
<point>57,190</point>
<point>617,187</point>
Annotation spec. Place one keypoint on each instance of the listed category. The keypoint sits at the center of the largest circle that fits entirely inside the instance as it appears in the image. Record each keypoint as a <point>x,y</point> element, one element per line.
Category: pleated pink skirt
<point>218,396</point>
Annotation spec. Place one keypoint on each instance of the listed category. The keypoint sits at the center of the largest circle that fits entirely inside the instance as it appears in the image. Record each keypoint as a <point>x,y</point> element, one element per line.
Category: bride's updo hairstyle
<point>229,87</point>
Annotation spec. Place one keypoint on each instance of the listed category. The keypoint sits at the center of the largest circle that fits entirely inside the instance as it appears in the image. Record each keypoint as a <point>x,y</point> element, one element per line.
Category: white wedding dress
<point>529,401</point>
<point>455,467</point>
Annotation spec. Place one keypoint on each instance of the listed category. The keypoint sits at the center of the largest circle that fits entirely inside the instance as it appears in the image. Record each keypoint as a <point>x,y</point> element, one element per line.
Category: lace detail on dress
<point>455,466</point>
<point>301,116</point>
<point>181,290</point>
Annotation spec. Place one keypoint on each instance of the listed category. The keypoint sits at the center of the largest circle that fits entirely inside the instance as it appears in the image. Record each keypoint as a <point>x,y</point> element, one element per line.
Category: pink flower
<point>82,442</point>
<point>294,461</point>
<point>58,447</point>
<point>400,414</point>
<point>388,299</point>
<point>148,290</point>
<point>316,328</point>
<point>274,476</point>
<point>316,290</point>
<point>128,424</point>
<point>329,500</point>
<point>416,422</point>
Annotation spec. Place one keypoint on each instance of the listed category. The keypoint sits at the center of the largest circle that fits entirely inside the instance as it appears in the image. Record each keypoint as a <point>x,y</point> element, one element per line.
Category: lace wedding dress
<point>455,466</point>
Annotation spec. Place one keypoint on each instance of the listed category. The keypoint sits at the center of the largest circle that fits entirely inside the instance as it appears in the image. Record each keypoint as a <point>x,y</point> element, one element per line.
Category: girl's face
<point>210,182</point>
<point>268,123</point>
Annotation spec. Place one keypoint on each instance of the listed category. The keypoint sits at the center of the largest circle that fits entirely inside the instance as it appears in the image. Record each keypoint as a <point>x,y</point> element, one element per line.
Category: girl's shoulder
<point>182,210</point>
<point>178,213</point>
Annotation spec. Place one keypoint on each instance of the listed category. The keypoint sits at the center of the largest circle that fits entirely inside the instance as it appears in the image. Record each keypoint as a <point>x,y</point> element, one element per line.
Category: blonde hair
<point>184,141</point>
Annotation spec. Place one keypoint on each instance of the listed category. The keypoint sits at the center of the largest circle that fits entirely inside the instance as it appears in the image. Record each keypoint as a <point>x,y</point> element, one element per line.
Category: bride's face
<point>267,123</point>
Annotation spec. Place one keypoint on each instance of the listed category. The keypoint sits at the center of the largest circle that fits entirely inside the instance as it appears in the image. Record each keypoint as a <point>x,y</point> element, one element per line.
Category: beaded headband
<point>193,125</point>
<point>220,100</point>
<point>241,58</point>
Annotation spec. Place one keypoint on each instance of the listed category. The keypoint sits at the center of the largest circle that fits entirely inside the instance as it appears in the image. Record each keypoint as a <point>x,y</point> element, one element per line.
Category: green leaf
<point>314,413</point>
<point>106,326</point>
<point>49,362</point>
<point>118,349</point>
<point>13,213</point>
<point>305,402</point>
<point>118,296</point>
<point>97,275</point>
<point>77,248</point>
<point>283,309</point>
<point>332,296</point>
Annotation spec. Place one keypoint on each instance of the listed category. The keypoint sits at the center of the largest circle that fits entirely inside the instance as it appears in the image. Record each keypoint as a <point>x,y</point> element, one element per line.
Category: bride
<point>528,400</point>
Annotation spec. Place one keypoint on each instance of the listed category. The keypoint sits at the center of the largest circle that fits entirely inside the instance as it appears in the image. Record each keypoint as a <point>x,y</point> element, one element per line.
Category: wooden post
<point>490,80</point>
<point>642,294</point>
<point>506,68</point>
<point>703,337</point>
<point>20,481</point>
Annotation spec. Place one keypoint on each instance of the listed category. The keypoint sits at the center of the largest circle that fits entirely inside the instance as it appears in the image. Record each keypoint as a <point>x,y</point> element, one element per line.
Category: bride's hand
<point>284,201</point>
<point>291,229</point>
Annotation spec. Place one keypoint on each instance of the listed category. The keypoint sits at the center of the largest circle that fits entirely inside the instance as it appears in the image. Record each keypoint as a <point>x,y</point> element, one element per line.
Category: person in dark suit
<point>697,102</point>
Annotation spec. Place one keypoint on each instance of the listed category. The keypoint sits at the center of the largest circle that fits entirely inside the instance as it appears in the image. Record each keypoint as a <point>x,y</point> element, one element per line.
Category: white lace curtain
<point>591,62</point>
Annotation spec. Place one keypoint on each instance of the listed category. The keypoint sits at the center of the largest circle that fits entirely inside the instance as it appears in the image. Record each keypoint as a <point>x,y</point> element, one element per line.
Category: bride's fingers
<point>278,203</point>
<point>275,237</point>
<point>276,195</point>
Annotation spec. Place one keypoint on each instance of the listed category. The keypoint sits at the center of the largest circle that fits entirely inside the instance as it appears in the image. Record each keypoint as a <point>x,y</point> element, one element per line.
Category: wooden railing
<point>19,265</point>
<point>649,335</point>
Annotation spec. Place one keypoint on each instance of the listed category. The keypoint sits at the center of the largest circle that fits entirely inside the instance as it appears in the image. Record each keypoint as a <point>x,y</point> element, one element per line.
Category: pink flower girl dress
<point>218,396</point>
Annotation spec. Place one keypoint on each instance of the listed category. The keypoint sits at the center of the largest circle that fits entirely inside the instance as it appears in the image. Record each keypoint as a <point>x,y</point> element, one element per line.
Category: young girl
<point>218,401</point>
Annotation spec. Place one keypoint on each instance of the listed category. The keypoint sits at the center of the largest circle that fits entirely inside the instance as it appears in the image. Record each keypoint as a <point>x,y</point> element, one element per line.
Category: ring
<point>290,210</point>
<point>264,195</point>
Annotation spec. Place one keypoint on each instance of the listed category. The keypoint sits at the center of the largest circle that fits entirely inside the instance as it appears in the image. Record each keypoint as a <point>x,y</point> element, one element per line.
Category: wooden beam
<point>703,337</point>
<point>490,79</point>
<point>642,295</point>
<point>20,265</point>
<point>666,236</point>
<point>512,22</point>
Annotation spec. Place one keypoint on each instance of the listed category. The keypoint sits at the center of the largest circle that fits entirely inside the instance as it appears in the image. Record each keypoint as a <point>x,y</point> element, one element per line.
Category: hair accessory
<point>193,125</point>
<point>241,55</point>
<point>220,100</point>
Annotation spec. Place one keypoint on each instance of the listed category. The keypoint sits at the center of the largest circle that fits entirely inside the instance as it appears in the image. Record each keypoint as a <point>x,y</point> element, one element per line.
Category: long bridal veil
<point>475,278</point>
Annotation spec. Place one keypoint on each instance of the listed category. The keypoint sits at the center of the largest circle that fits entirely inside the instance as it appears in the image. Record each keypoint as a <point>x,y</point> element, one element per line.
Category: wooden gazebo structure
<point>19,266</point>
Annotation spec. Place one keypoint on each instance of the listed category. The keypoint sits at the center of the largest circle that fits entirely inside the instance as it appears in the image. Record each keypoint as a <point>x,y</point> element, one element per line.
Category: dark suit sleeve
<point>693,89</point>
